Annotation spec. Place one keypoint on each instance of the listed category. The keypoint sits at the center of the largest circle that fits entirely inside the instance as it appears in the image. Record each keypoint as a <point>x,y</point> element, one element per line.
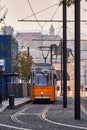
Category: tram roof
<point>43,65</point>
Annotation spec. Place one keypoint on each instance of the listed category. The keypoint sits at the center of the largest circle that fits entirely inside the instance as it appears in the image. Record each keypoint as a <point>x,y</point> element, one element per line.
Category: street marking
<point>43,116</point>
<point>84,111</point>
<point>57,123</point>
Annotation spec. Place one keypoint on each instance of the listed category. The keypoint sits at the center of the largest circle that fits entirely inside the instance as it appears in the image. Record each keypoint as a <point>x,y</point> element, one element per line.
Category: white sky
<point>19,9</point>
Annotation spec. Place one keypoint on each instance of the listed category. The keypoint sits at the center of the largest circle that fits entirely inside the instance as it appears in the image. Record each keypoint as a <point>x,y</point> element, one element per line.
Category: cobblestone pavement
<point>66,116</point>
<point>44,116</point>
<point>84,102</point>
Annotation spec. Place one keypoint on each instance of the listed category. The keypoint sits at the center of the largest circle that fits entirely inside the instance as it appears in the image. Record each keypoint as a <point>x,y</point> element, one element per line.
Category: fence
<point>18,89</point>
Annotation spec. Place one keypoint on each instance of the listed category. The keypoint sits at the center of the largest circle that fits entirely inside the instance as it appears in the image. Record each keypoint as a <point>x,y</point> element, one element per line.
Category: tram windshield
<point>41,79</point>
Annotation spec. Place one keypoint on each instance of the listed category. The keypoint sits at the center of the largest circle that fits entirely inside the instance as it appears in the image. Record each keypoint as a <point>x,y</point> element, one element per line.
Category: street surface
<point>43,116</point>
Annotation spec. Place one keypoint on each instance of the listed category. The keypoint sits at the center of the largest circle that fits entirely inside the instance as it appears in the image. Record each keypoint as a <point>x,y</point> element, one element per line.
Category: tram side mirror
<point>47,76</point>
<point>58,88</point>
<point>55,77</point>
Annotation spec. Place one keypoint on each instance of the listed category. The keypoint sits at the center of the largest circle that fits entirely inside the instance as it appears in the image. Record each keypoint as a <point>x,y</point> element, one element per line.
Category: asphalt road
<point>43,116</point>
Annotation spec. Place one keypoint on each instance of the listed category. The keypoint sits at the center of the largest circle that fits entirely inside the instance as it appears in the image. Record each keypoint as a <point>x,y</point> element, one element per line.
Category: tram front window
<point>41,80</point>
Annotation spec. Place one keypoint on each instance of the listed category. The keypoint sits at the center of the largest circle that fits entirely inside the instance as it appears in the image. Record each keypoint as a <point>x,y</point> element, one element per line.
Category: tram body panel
<point>43,83</point>
<point>43,92</point>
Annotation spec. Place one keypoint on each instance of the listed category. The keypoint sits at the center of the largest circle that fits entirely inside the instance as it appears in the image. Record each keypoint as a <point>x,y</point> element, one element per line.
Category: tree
<point>7,30</point>
<point>69,2</point>
<point>23,66</point>
<point>3,12</point>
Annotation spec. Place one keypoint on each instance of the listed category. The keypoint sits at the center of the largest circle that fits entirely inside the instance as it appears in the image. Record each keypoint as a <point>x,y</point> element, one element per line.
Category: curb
<point>17,104</point>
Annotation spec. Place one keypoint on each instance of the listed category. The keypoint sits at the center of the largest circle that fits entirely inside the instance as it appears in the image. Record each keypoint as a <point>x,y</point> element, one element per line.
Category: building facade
<point>8,52</point>
<point>34,40</point>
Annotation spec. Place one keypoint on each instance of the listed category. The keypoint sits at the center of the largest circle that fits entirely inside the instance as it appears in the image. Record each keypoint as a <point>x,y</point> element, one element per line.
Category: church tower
<point>51,30</point>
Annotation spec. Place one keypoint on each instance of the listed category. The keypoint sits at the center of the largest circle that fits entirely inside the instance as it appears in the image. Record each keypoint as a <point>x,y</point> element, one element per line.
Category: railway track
<point>42,116</point>
<point>43,108</point>
<point>38,113</point>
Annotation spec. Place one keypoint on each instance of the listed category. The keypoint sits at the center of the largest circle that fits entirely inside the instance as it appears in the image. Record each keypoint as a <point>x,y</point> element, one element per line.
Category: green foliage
<point>23,66</point>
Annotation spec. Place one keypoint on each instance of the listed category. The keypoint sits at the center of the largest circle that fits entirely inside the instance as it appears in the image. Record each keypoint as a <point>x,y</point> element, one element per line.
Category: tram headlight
<point>42,93</point>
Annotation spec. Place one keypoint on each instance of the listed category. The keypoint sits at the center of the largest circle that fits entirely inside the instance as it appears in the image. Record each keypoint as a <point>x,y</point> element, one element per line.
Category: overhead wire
<point>55,13</point>
<point>41,11</point>
<point>33,13</point>
<point>38,12</point>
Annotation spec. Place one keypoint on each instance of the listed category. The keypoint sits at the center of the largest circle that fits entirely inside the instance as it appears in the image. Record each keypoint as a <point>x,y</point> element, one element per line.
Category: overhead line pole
<point>77,59</point>
<point>28,51</point>
<point>64,56</point>
<point>61,44</point>
<point>51,55</point>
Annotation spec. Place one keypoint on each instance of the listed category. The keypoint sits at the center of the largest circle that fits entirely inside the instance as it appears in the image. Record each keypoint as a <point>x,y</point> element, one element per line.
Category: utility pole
<point>28,52</point>
<point>64,57</point>
<point>77,59</point>
<point>1,85</point>
<point>51,54</point>
<point>61,46</point>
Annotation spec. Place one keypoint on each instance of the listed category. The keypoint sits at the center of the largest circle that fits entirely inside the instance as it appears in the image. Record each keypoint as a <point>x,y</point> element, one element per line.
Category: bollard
<point>11,101</point>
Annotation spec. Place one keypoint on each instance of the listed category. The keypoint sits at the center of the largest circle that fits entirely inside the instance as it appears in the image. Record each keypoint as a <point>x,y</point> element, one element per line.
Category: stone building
<point>34,40</point>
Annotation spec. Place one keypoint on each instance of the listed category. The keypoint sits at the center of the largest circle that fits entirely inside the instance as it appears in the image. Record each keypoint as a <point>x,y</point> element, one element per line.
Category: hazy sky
<point>19,9</point>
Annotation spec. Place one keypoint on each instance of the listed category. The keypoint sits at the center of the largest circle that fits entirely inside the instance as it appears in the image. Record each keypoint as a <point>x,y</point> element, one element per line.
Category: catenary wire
<point>33,13</point>
<point>41,11</point>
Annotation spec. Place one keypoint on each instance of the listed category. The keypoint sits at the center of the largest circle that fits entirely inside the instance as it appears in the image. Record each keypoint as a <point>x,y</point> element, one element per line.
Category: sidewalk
<point>17,102</point>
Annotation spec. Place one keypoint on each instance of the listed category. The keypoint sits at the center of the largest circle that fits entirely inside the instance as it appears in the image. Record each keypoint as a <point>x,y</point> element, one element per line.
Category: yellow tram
<point>43,80</point>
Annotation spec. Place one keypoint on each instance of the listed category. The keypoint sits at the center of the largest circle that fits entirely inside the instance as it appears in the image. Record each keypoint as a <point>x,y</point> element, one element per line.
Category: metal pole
<point>61,45</point>
<point>45,59</point>
<point>51,54</point>
<point>64,57</point>
<point>1,85</point>
<point>28,52</point>
<point>85,75</point>
<point>6,88</point>
<point>77,59</point>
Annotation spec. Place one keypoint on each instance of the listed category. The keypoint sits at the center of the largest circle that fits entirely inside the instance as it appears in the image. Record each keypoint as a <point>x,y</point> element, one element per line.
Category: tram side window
<point>32,77</point>
<point>51,79</point>
<point>54,79</point>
